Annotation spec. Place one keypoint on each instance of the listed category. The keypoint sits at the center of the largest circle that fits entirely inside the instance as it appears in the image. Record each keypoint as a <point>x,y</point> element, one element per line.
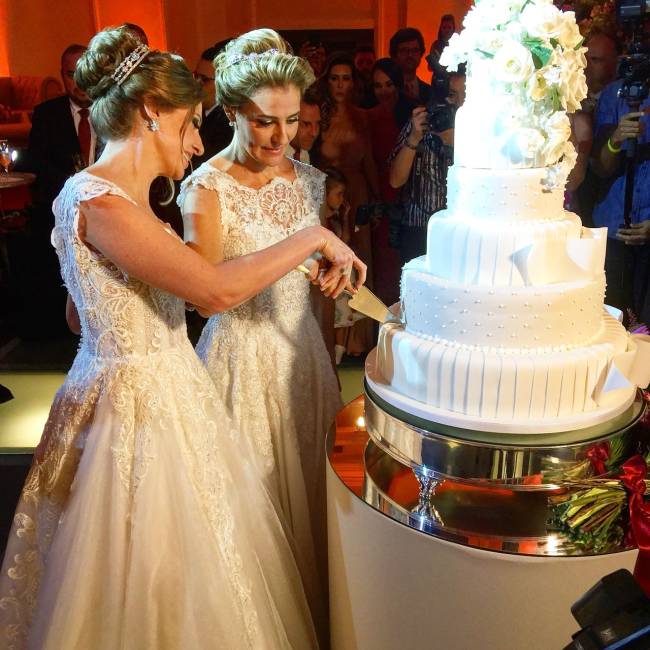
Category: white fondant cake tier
<point>477,251</point>
<point>559,315</point>
<point>509,387</point>
<point>502,195</point>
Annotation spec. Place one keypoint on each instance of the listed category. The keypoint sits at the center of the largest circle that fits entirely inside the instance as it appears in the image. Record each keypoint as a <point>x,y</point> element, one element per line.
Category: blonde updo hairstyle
<point>161,80</point>
<point>238,76</point>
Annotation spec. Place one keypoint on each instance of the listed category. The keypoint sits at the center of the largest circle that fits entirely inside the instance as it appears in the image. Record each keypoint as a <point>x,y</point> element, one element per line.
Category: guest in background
<point>445,30</point>
<point>364,60</point>
<point>337,219</point>
<point>62,141</point>
<point>418,165</point>
<point>386,120</point>
<point>627,261</point>
<point>602,57</point>
<point>406,49</point>
<point>215,131</point>
<point>314,51</point>
<point>345,145</point>
<point>308,128</point>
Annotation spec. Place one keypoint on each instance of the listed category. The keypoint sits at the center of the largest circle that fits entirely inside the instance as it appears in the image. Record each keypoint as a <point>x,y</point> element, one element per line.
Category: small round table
<point>16,179</point>
<point>9,181</point>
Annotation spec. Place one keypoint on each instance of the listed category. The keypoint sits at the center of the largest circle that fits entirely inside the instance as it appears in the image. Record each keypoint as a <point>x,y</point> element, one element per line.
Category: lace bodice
<point>253,219</point>
<point>120,316</point>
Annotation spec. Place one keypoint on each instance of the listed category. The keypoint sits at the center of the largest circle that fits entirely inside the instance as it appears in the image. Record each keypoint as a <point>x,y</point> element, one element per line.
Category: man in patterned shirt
<point>418,165</point>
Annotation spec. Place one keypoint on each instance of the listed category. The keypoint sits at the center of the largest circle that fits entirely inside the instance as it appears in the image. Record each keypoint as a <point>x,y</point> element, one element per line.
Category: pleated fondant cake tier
<point>503,318</point>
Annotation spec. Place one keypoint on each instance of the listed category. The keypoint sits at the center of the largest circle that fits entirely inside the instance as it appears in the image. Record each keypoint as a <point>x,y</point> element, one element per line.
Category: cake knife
<point>365,302</point>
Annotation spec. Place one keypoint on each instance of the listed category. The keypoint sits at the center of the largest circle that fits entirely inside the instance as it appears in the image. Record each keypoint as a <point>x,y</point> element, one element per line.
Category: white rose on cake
<point>558,133</point>
<point>573,84</point>
<point>526,144</point>
<point>538,86</point>
<point>513,63</point>
<point>542,20</point>
<point>569,36</point>
<point>491,41</point>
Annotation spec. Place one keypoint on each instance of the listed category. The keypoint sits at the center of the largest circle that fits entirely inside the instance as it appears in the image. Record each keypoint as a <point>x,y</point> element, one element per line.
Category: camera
<point>613,614</point>
<point>634,68</point>
<point>440,117</point>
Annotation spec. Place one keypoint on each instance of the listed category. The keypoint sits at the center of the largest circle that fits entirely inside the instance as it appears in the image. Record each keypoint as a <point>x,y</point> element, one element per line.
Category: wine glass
<point>5,155</point>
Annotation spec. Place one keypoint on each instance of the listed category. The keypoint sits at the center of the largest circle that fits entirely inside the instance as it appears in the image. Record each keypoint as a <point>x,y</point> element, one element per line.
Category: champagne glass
<point>5,155</point>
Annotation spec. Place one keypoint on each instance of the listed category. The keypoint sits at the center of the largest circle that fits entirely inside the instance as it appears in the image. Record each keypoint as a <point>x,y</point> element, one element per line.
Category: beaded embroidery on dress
<point>268,358</point>
<point>141,523</point>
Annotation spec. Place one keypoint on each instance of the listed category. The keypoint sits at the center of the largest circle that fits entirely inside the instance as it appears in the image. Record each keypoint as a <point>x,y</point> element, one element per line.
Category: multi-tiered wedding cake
<point>504,323</point>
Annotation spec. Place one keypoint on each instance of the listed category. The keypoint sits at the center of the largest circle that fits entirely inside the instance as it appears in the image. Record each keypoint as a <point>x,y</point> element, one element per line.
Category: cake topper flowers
<point>532,52</point>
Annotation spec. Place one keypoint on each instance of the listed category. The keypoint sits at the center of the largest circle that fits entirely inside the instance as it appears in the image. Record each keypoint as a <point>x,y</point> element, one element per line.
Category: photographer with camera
<point>418,164</point>
<point>621,154</point>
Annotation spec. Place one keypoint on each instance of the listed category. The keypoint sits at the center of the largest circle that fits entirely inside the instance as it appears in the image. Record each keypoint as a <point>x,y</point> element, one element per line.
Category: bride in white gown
<point>267,357</point>
<point>142,524</point>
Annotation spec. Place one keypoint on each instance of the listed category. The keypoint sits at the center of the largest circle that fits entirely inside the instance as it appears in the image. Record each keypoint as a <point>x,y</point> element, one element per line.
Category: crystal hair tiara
<point>238,58</point>
<point>129,64</point>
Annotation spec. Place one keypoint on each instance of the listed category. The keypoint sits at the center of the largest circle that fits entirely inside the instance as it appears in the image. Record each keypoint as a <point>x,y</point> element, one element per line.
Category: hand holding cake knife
<point>364,301</point>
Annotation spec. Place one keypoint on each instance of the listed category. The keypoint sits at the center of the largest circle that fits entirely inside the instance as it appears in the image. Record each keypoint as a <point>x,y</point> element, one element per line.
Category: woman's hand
<point>636,235</point>
<point>341,260</point>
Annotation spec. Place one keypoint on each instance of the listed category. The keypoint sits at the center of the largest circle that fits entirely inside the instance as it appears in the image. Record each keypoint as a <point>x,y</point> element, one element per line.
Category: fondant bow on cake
<point>630,368</point>
<point>572,259</point>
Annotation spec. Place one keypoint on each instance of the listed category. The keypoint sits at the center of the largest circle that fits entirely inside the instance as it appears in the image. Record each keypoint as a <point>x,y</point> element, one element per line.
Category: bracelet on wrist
<point>611,147</point>
<point>409,145</point>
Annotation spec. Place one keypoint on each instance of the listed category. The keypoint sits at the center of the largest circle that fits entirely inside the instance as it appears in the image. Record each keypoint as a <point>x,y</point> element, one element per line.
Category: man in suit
<point>62,140</point>
<point>308,129</point>
<point>215,131</point>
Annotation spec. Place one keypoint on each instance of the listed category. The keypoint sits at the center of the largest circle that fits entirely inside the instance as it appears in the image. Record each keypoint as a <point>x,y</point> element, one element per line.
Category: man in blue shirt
<point>627,264</point>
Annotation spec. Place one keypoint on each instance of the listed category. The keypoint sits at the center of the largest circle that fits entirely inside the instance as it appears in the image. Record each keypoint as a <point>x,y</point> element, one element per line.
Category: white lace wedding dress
<point>141,524</point>
<point>268,359</point>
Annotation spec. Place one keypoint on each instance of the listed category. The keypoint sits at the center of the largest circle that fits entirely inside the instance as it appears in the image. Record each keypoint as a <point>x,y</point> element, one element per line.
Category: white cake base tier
<point>502,194</point>
<point>471,250</point>
<point>560,316</point>
<point>489,391</point>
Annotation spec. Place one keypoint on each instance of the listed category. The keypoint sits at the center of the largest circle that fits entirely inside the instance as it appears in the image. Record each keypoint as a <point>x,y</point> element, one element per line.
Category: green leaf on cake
<point>554,95</point>
<point>487,55</point>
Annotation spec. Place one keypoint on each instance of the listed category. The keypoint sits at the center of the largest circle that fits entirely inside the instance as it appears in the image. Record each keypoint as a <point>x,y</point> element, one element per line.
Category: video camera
<point>634,68</point>
<point>614,614</point>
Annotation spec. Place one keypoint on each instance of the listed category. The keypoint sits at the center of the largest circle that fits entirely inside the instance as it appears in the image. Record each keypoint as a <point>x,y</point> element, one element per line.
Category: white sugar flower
<point>558,132</point>
<point>527,143</point>
<point>492,40</point>
<point>455,53</point>
<point>569,36</point>
<point>513,63</point>
<point>538,86</point>
<point>542,20</point>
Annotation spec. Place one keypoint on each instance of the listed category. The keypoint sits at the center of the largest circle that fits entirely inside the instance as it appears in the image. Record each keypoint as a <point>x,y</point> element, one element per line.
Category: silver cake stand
<point>522,464</point>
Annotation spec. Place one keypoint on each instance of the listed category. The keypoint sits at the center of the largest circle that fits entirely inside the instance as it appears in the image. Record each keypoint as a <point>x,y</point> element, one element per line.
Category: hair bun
<point>104,54</point>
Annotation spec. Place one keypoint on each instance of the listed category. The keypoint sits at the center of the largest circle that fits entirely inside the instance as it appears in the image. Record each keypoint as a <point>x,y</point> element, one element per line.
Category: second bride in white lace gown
<point>268,357</point>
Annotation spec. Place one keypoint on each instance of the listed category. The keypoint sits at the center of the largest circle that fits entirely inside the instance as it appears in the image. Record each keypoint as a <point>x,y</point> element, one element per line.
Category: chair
<point>20,94</point>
